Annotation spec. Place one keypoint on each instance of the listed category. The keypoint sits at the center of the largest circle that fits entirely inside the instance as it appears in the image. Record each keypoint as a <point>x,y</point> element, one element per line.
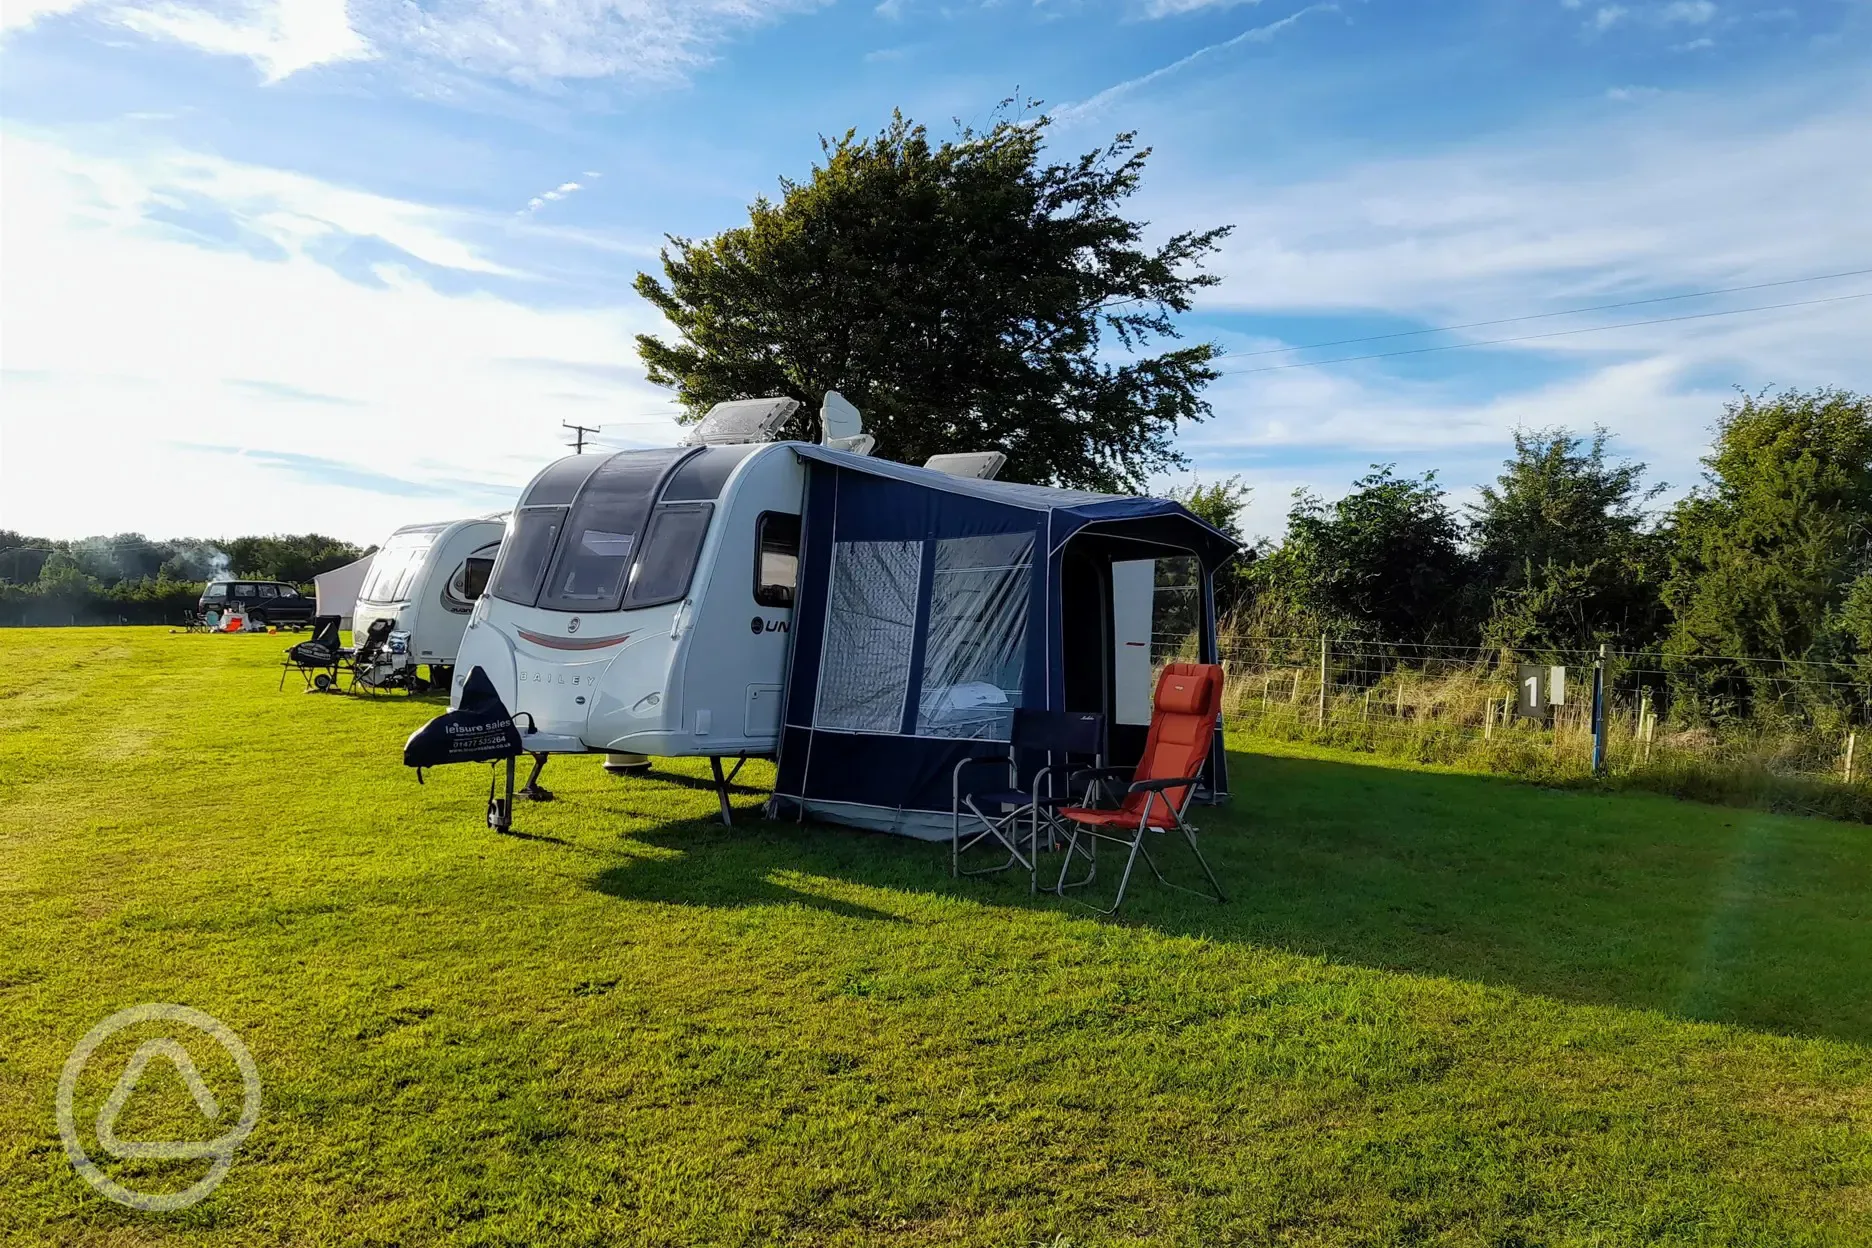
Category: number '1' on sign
<point>1539,687</point>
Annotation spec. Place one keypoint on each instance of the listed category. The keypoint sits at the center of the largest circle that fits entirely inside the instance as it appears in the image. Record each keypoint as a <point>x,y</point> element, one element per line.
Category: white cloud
<point>1258,34</point>
<point>353,406</point>
<point>19,14</point>
<point>1537,222</point>
<point>1626,95</point>
<point>1688,12</point>
<point>1170,8</point>
<point>653,42</point>
<point>281,37</point>
<point>1607,16</point>
<point>647,41</point>
<point>558,192</point>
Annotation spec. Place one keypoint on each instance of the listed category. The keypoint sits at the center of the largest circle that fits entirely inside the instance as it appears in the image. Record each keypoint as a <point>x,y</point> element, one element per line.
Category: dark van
<point>265,602</point>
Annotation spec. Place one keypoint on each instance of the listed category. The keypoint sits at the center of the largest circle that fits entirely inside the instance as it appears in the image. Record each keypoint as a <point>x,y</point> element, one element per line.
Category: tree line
<point>130,578</point>
<point>1767,560</point>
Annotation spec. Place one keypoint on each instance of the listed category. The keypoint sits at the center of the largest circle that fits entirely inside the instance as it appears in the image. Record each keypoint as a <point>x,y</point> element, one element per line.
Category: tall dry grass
<point>1459,715</point>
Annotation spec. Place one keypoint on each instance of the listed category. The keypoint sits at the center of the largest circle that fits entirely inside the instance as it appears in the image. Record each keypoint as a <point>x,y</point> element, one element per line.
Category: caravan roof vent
<point>844,428</point>
<point>982,465</point>
<point>743,421</point>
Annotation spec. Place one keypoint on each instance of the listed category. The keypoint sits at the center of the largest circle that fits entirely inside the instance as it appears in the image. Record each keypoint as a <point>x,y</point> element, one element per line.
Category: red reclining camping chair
<point>1182,732</point>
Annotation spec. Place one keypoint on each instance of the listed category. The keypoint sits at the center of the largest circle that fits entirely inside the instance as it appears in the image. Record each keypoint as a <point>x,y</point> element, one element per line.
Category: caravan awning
<point>1070,510</point>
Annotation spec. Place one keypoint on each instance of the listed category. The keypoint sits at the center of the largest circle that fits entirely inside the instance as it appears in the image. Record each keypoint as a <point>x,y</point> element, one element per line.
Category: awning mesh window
<point>979,599</point>
<point>870,626</point>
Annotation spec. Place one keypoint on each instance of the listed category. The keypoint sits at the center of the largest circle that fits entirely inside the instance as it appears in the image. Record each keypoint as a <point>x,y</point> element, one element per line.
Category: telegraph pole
<point>578,434</point>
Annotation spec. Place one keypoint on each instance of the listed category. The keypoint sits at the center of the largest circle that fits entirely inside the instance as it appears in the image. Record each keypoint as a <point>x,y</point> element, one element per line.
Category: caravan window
<point>395,566</point>
<point>703,474</point>
<point>470,581</point>
<point>602,533</point>
<point>864,678</point>
<point>671,545</point>
<point>776,566</point>
<point>521,565</point>
<point>972,661</point>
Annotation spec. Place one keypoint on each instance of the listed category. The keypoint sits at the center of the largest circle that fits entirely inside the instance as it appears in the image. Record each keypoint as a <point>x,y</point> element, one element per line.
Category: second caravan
<point>419,593</point>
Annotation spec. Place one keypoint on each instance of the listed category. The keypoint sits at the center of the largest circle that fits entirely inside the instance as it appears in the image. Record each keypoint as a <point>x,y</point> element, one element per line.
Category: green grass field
<point>1438,1008</point>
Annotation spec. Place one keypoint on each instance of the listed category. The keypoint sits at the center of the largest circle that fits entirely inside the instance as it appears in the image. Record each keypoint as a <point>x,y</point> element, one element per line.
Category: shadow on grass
<point>736,867</point>
<point>1642,902</point>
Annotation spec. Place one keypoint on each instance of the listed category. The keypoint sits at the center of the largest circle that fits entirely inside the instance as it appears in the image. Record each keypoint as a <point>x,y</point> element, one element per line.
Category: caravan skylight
<point>982,465</point>
<point>744,420</point>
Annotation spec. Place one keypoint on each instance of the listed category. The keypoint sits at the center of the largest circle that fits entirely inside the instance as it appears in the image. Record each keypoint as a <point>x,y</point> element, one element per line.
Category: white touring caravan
<point>425,581</point>
<point>617,619</point>
<point>643,603</point>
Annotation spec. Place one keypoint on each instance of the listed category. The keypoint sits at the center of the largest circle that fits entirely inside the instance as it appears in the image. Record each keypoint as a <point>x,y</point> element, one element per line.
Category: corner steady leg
<point>531,791</point>
<point>721,789</point>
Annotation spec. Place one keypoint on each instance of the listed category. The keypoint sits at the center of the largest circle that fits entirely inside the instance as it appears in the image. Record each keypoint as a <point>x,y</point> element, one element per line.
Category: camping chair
<point>1052,733</point>
<point>1182,733</point>
<point>370,651</point>
<point>194,622</point>
<point>317,658</point>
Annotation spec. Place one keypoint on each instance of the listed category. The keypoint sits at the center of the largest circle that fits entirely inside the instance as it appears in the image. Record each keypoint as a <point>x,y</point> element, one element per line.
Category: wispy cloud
<point>324,470</point>
<point>1170,8</point>
<point>1575,215</point>
<point>141,335</point>
<point>1606,16</point>
<point>292,394</point>
<point>281,37</point>
<point>1259,34</point>
<point>1688,12</point>
<point>559,192</point>
<point>19,14</point>
<point>652,42</point>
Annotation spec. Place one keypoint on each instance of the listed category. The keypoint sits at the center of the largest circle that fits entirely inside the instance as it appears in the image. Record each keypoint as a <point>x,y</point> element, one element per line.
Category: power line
<point>1537,316</point>
<point>1555,333</point>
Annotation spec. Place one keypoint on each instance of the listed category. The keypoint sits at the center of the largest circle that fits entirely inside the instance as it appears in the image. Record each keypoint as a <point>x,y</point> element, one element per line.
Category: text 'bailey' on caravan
<point>642,600</point>
<point>424,581</point>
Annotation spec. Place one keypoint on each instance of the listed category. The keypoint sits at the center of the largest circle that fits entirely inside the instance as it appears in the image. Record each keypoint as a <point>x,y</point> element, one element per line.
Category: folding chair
<point>1056,734</point>
<point>317,657</point>
<point>1182,732</point>
<point>370,651</point>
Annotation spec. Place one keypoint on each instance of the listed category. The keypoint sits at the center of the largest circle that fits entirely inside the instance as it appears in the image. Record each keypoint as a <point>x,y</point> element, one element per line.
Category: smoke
<point>191,559</point>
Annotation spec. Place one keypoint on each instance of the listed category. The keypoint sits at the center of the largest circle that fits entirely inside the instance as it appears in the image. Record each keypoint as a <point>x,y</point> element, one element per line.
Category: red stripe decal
<point>572,643</point>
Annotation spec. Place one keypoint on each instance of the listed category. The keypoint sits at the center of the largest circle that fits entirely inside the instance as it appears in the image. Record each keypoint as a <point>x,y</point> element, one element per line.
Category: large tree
<point>1562,543</point>
<point>1386,561</point>
<point>1766,550</point>
<point>964,295</point>
<point>1766,554</point>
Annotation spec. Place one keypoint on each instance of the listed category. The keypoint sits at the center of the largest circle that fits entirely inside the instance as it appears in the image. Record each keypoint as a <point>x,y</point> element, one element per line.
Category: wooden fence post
<point>1852,739</point>
<point>1323,678</point>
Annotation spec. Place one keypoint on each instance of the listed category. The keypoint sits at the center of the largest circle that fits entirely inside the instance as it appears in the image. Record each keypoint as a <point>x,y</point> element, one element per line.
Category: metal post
<point>1598,714</point>
<point>1323,677</point>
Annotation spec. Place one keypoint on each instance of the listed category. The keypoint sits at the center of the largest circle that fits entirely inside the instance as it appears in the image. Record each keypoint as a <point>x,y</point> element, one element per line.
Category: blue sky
<point>308,264</point>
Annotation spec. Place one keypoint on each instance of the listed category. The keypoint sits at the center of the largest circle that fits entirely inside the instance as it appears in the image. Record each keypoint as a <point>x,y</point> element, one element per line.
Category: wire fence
<point>1778,732</point>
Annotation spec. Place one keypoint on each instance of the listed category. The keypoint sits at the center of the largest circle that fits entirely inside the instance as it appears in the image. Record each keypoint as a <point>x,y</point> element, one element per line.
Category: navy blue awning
<point>1071,510</point>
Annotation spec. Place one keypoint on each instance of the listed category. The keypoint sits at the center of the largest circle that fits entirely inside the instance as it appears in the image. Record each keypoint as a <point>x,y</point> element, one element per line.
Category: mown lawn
<point>1437,1009</point>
